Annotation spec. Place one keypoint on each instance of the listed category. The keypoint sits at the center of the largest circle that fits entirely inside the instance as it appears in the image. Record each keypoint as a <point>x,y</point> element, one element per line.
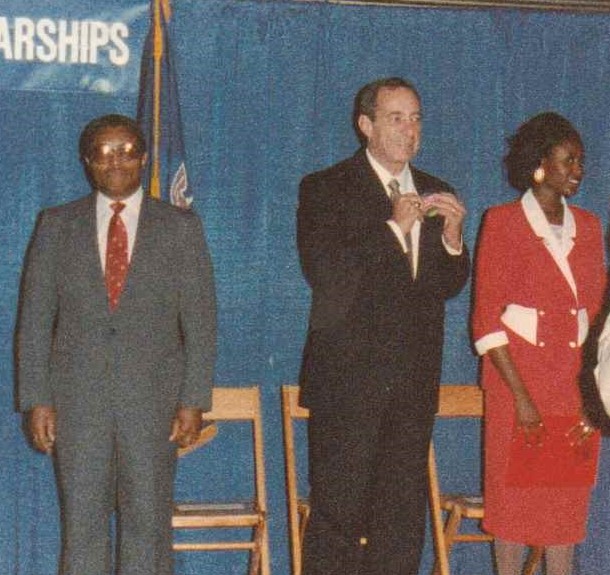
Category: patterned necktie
<point>394,190</point>
<point>117,260</point>
<point>395,194</point>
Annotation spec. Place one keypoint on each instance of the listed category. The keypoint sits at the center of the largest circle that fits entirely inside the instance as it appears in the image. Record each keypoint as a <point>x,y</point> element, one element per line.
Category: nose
<point>577,170</point>
<point>114,159</point>
<point>409,126</point>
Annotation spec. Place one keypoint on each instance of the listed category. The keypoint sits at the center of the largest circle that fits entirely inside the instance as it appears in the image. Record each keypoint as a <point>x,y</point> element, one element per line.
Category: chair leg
<point>303,524</point>
<point>451,528</point>
<point>259,556</point>
<point>255,554</point>
<point>437,568</point>
<point>265,566</point>
<point>534,557</point>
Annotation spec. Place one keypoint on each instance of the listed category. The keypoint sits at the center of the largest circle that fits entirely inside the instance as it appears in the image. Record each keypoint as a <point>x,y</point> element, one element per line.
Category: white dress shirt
<point>130,215</point>
<point>405,181</point>
<point>407,186</point>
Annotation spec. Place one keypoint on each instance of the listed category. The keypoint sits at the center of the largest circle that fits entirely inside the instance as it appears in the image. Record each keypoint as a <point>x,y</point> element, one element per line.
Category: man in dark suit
<point>116,346</point>
<point>381,246</point>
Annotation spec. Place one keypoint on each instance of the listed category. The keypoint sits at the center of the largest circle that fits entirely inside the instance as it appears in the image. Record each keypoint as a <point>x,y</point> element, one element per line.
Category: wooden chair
<point>232,406</point>
<point>448,510</point>
<point>298,506</point>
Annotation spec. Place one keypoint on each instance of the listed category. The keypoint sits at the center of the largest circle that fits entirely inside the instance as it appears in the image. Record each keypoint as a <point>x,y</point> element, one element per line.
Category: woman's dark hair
<point>534,141</point>
<point>110,121</point>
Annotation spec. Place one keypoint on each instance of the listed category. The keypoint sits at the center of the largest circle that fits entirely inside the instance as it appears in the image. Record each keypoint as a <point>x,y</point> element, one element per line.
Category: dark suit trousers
<point>368,476</point>
<point>111,458</point>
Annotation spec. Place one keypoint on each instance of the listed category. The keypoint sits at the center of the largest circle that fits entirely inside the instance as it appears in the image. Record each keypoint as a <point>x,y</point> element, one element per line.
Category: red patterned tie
<point>117,260</point>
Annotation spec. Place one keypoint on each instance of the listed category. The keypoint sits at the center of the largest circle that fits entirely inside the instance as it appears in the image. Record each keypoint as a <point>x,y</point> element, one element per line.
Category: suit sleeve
<point>37,313</point>
<point>492,283</point>
<point>197,317</point>
<point>455,273</point>
<point>444,273</point>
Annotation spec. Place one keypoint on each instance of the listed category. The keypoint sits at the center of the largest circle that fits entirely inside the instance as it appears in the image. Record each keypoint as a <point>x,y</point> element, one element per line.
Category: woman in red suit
<point>538,285</point>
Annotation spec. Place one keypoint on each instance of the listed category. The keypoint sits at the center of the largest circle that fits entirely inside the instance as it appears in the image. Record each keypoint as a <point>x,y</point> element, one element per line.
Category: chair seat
<point>470,506</point>
<point>229,514</point>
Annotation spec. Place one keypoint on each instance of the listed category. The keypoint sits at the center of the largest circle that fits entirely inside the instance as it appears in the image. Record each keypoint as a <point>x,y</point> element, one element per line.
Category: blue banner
<point>159,114</point>
<point>72,46</point>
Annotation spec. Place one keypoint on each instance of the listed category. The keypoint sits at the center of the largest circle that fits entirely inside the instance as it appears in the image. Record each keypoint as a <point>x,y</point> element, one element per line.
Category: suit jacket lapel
<point>85,247</point>
<point>431,228</point>
<point>371,191</point>
<point>143,247</point>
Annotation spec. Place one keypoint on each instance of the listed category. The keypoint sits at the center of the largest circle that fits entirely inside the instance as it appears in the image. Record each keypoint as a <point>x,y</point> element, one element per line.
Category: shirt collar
<point>537,220</point>
<point>405,178</point>
<point>132,203</point>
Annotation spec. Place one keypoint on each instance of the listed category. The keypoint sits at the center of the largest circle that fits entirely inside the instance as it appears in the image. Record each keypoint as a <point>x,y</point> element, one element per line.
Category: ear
<point>143,160</point>
<point>366,125</point>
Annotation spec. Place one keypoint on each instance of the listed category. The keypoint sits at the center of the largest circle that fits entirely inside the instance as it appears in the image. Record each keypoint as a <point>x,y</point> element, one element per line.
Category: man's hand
<point>42,424</point>
<point>448,206</point>
<point>406,210</point>
<point>186,426</point>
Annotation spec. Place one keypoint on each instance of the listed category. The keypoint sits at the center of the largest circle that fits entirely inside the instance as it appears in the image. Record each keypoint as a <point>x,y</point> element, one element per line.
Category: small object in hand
<point>586,428</point>
<point>579,432</point>
<point>427,205</point>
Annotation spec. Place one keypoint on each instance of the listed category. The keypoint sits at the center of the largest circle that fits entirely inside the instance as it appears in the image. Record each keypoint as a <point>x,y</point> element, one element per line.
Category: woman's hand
<point>581,432</point>
<point>528,420</point>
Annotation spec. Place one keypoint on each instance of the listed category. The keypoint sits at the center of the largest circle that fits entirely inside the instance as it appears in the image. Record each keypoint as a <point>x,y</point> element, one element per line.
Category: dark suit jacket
<point>156,350</point>
<point>370,322</point>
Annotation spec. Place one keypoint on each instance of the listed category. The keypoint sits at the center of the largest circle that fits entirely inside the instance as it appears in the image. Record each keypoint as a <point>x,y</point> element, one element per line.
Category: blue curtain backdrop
<point>266,92</point>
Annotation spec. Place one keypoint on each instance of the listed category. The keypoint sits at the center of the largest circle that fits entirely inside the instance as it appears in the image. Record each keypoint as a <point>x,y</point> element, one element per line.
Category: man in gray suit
<point>116,347</point>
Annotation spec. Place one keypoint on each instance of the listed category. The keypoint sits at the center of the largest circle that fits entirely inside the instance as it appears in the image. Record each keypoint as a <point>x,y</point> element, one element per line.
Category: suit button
<point>541,312</point>
<point>572,344</point>
<point>573,311</point>
<point>113,331</point>
<point>541,344</point>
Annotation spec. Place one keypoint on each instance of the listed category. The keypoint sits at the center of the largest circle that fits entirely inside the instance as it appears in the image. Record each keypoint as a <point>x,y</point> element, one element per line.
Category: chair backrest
<point>460,401</point>
<point>240,404</point>
<point>291,411</point>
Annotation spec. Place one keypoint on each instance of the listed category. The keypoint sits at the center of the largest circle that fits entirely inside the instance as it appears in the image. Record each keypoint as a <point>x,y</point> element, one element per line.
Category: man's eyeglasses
<point>125,152</point>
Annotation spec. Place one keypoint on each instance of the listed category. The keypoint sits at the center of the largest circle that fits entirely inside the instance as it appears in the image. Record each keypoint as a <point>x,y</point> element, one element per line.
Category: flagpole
<point>159,112</point>
<point>155,185</point>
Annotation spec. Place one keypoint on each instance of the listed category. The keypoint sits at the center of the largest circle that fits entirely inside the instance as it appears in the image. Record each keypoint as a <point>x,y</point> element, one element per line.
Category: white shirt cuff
<point>491,340</point>
<point>452,251</point>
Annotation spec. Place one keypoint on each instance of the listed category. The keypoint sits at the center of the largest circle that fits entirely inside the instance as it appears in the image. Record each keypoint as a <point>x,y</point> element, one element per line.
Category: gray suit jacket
<point>157,348</point>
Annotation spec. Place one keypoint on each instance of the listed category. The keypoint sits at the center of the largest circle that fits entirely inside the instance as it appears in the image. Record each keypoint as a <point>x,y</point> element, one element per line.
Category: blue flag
<point>159,113</point>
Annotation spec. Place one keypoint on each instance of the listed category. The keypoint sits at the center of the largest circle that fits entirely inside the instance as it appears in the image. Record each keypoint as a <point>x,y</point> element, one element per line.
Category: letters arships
<point>63,41</point>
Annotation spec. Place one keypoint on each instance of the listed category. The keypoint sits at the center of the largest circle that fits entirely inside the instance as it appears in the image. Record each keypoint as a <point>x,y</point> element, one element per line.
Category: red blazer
<point>515,272</point>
